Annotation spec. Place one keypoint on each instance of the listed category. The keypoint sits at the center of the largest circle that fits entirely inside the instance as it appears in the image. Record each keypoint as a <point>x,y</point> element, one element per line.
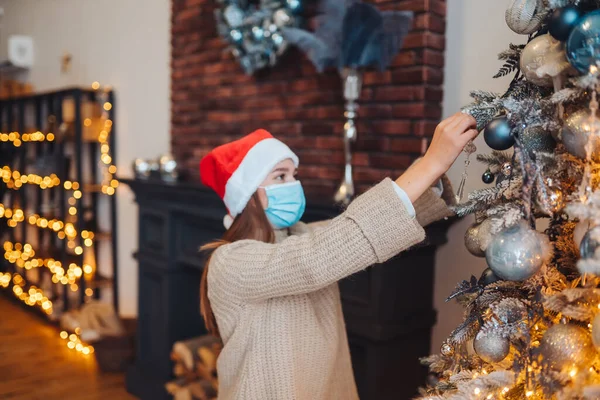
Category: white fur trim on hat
<point>253,170</point>
<point>227,221</point>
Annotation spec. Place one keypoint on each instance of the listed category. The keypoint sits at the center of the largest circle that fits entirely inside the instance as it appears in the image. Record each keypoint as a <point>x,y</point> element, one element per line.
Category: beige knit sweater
<point>278,306</point>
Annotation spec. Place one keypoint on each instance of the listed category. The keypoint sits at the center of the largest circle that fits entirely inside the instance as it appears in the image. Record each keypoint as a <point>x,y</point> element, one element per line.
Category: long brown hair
<point>252,224</point>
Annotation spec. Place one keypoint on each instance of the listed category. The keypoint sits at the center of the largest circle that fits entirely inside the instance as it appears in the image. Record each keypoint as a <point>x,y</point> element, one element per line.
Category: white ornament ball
<point>524,16</point>
<point>517,252</point>
<point>491,348</point>
<point>576,130</point>
<point>543,59</point>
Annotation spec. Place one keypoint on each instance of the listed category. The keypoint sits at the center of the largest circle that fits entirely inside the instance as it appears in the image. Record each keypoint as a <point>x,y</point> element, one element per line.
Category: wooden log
<point>187,350</point>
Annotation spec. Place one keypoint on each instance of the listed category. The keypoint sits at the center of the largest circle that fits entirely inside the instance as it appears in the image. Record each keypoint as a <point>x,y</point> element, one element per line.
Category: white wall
<point>476,33</point>
<point>122,43</point>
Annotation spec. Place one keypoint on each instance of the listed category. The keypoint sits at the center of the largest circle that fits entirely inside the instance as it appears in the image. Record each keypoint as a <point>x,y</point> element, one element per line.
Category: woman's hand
<point>449,139</point>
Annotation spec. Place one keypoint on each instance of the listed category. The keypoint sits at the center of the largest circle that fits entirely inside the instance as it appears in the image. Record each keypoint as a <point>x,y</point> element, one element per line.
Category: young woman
<point>269,289</point>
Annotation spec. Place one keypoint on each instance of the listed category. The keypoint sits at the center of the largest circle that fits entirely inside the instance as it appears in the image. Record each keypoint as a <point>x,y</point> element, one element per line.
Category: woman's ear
<point>262,196</point>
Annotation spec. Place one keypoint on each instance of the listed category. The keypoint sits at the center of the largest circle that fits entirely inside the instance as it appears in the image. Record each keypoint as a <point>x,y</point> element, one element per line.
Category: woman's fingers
<point>469,135</point>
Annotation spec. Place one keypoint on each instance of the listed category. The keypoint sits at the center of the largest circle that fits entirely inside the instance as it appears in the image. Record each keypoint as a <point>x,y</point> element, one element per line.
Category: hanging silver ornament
<point>233,15</point>
<point>537,139</point>
<point>168,168</point>
<point>282,18</point>
<point>589,243</point>
<point>472,242</point>
<point>580,230</point>
<point>543,59</point>
<point>506,169</point>
<point>447,349</point>
<point>567,346</point>
<point>490,347</point>
<point>141,168</point>
<point>596,331</point>
<point>524,16</point>
<point>517,252</point>
<point>575,132</point>
<point>550,200</point>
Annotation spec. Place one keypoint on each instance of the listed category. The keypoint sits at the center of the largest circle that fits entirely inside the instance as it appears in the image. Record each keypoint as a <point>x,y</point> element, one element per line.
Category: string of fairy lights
<point>23,255</point>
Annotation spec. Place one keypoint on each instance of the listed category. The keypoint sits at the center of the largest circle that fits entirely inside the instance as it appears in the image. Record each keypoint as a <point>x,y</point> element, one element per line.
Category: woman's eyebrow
<point>281,169</point>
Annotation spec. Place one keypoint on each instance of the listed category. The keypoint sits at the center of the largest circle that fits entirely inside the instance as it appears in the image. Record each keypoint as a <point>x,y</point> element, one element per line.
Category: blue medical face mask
<point>286,204</point>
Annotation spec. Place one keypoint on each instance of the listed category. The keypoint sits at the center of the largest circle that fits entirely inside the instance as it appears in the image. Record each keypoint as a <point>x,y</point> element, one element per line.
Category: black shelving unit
<point>73,156</point>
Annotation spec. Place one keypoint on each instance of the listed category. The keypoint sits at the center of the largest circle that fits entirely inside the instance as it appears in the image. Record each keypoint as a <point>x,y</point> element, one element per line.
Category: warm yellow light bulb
<point>87,269</point>
<point>78,250</point>
<point>64,335</point>
<point>88,242</point>
<point>87,122</point>
<point>529,393</point>
<point>112,169</point>
<point>68,185</point>
<point>477,391</point>
<point>72,210</point>
<point>107,106</point>
<point>89,292</point>
<point>96,85</point>
<point>50,137</point>
<point>71,345</point>
<point>77,194</point>
<point>573,372</point>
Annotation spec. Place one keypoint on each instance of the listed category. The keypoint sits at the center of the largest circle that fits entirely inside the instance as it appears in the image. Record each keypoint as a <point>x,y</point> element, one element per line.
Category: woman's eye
<point>281,177</point>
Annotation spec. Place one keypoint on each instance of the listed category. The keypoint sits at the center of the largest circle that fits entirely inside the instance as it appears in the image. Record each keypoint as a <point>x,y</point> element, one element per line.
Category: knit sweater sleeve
<point>374,228</point>
<point>431,207</point>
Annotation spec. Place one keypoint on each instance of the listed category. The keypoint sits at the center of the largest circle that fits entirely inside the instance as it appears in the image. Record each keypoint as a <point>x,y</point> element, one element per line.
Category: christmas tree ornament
<point>282,17</point>
<point>543,60</point>
<point>488,277</point>
<point>524,16</point>
<point>506,169</point>
<point>498,134</point>
<point>517,252</point>
<point>580,230</point>
<point>168,168</point>
<point>583,44</point>
<point>567,346</point>
<point>563,21</point>
<point>472,242</point>
<point>490,347</point>
<point>589,243</point>
<point>487,177</point>
<point>469,149</point>
<point>575,132</point>
<point>447,349</point>
<point>537,139</point>
<point>596,331</point>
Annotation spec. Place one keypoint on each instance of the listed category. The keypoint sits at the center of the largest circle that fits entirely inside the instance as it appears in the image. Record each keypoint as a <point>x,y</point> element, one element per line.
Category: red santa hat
<point>236,170</point>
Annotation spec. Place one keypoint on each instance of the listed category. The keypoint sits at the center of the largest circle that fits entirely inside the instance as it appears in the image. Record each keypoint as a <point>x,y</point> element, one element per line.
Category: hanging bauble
<point>575,132</point>
<point>506,169</point>
<point>580,230</point>
<point>563,21</point>
<point>447,349</point>
<point>294,5</point>
<point>543,59</point>
<point>524,16</point>
<point>517,252</point>
<point>472,242</point>
<point>589,243</point>
<point>551,202</point>
<point>567,346</point>
<point>233,15</point>
<point>498,134</point>
<point>490,347</point>
<point>487,177</point>
<point>488,277</point>
<point>537,139</point>
<point>596,331</point>
<point>583,44</point>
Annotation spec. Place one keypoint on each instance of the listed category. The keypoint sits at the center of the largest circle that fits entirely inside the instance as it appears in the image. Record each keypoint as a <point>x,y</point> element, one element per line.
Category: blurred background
<point>106,108</point>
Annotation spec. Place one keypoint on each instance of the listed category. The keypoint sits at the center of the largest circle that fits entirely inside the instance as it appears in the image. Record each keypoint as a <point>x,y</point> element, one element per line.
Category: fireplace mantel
<point>388,308</point>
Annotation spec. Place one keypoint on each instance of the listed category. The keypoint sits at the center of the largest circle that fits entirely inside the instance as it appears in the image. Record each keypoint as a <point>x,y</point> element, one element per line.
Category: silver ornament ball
<point>580,230</point>
<point>282,18</point>
<point>542,59</point>
<point>491,348</point>
<point>523,16</point>
<point>472,242</point>
<point>550,202</point>
<point>537,139</point>
<point>566,346</point>
<point>447,349</point>
<point>517,252</point>
<point>141,168</point>
<point>589,243</point>
<point>575,132</point>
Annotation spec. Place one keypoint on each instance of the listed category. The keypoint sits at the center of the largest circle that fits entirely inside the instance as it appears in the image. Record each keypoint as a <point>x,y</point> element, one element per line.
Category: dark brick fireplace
<point>388,308</point>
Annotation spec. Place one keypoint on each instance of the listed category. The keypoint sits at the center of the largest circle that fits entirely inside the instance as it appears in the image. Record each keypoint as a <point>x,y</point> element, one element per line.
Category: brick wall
<point>213,101</point>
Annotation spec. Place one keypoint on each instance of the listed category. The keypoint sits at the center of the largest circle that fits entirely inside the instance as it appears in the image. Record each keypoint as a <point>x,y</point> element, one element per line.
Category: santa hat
<point>236,170</point>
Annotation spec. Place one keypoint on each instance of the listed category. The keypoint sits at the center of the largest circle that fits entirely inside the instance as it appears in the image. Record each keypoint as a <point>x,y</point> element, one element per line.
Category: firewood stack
<point>195,369</point>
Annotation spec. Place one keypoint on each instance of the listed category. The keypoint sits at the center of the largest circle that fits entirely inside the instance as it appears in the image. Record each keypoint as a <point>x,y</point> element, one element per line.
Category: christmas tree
<point>531,327</point>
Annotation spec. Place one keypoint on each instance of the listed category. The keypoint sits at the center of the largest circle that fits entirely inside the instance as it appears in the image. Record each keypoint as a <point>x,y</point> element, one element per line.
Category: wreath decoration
<point>253,29</point>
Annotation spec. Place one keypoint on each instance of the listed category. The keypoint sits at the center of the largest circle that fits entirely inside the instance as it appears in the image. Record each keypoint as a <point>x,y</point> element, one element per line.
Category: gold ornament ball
<point>472,242</point>
<point>566,346</point>
<point>575,132</point>
<point>447,349</point>
<point>523,16</point>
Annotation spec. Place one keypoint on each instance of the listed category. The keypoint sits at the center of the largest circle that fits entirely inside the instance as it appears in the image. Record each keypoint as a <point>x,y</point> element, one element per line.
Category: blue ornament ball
<point>562,22</point>
<point>583,44</point>
<point>498,134</point>
<point>294,5</point>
